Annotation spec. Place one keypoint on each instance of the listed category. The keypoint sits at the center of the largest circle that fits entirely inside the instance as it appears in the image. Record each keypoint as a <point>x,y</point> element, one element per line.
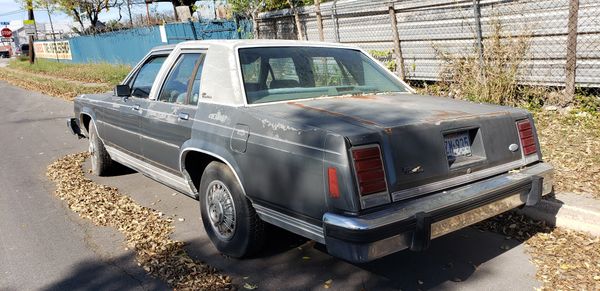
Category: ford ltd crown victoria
<point>319,139</point>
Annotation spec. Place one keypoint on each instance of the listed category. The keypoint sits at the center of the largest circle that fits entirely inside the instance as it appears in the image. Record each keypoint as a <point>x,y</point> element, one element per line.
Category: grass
<point>63,80</point>
<point>88,73</point>
<point>63,89</point>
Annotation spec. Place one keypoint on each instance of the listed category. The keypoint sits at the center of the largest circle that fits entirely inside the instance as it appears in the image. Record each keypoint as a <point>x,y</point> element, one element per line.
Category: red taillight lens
<point>526,137</point>
<point>368,167</point>
<point>334,188</point>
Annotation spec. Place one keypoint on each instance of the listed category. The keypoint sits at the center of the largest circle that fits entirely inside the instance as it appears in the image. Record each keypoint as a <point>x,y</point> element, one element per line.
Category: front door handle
<point>135,107</point>
<point>183,116</point>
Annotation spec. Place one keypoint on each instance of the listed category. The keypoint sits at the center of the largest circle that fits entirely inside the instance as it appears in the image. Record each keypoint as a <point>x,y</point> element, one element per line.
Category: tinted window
<point>141,85</point>
<point>175,87</point>
<point>287,73</point>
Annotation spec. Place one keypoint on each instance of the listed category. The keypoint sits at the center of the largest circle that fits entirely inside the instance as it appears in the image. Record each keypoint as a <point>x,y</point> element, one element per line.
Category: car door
<point>167,122</point>
<point>122,118</point>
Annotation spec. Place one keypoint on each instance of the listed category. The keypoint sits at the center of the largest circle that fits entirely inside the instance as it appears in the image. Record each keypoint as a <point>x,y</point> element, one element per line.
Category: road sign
<point>4,23</point>
<point>29,26</point>
<point>5,32</point>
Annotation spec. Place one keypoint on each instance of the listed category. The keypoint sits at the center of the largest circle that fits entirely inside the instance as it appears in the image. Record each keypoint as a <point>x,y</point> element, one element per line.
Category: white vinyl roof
<point>221,76</point>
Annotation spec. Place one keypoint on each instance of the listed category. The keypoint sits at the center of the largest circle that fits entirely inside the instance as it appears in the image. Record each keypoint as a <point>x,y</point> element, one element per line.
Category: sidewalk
<point>573,211</point>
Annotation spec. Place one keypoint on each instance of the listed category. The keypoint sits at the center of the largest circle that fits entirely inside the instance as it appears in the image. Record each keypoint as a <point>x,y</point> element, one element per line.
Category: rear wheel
<point>228,216</point>
<point>101,161</point>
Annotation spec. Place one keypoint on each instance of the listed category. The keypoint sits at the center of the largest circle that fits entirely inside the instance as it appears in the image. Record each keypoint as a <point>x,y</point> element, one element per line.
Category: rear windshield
<point>290,73</point>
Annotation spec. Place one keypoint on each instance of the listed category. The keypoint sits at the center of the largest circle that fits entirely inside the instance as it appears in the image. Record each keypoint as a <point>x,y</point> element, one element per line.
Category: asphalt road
<point>43,245</point>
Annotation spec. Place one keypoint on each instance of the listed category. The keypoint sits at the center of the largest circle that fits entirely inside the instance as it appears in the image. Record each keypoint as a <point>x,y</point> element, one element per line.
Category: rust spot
<point>361,120</point>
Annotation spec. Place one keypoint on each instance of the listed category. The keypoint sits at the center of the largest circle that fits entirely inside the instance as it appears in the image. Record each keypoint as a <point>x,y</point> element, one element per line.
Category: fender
<point>89,112</point>
<point>218,152</point>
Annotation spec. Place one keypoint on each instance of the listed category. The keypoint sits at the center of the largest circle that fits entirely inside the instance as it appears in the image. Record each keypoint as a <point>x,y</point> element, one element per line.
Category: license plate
<point>457,145</point>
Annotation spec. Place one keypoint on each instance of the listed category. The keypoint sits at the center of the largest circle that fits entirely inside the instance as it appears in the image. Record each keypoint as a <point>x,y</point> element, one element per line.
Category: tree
<point>249,8</point>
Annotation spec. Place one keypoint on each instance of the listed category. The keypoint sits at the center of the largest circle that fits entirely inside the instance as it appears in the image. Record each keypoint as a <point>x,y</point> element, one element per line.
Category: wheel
<point>101,161</point>
<point>228,216</point>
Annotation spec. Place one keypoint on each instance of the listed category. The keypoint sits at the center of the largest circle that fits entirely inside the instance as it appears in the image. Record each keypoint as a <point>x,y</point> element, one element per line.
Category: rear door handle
<point>136,107</point>
<point>183,116</point>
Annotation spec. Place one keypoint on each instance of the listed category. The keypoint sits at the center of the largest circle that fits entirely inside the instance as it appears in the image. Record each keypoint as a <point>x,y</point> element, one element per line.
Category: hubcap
<point>221,210</point>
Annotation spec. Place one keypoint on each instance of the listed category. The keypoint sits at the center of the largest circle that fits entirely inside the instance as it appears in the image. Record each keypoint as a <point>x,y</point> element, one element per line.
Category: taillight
<point>526,137</point>
<point>368,166</point>
<point>334,188</point>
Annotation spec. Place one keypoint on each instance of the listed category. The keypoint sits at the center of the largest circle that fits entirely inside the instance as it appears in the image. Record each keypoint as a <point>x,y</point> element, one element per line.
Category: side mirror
<point>122,91</point>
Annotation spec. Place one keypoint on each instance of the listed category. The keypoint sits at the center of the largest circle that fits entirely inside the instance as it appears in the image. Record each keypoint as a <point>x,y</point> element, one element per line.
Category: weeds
<point>89,73</point>
<point>495,79</point>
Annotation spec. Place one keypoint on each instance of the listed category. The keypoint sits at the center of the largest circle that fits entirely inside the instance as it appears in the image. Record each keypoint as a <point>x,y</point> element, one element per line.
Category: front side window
<point>175,88</point>
<point>141,85</point>
<point>288,73</point>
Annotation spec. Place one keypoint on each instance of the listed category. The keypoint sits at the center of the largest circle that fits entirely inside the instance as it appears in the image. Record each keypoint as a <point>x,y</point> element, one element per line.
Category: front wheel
<point>228,216</point>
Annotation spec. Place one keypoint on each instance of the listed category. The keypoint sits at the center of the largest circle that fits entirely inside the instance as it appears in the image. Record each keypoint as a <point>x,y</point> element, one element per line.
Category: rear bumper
<point>414,223</point>
<point>73,125</point>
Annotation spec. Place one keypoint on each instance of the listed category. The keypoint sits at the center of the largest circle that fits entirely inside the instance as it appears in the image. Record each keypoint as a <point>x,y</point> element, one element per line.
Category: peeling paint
<point>218,117</point>
<point>278,126</point>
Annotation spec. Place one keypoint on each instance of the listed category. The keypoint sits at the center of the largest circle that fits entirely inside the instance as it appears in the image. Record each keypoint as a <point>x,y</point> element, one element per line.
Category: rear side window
<point>175,88</point>
<point>141,85</point>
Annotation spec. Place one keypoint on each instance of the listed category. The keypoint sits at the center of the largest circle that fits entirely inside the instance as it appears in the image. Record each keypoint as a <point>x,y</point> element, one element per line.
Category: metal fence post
<point>397,47</point>
<point>336,28</point>
<point>477,15</point>
<point>571,63</point>
<point>319,19</point>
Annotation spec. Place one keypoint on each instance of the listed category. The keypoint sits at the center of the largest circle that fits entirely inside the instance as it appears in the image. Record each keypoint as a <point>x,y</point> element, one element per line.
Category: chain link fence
<point>562,36</point>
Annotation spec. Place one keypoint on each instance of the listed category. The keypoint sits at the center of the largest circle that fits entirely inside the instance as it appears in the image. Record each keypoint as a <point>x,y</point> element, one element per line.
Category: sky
<point>11,10</point>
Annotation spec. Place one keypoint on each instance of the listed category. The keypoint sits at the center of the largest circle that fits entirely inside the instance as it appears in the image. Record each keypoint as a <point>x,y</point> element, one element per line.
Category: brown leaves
<point>571,143</point>
<point>146,231</point>
<point>565,259</point>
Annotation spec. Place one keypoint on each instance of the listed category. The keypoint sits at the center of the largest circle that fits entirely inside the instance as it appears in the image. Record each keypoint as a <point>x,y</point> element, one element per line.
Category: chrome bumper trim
<point>414,223</point>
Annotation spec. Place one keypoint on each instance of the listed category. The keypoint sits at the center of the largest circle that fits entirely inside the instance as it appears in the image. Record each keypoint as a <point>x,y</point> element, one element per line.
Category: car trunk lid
<point>425,141</point>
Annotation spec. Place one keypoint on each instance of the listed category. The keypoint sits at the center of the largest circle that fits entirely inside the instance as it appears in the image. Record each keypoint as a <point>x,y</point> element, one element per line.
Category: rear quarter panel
<point>279,163</point>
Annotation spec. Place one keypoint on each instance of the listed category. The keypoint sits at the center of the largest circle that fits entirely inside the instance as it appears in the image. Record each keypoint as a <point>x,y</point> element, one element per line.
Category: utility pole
<point>30,17</point>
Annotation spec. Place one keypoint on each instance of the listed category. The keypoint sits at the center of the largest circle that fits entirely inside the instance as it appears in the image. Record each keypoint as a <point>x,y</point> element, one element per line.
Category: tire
<point>221,198</point>
<point>101,161</point>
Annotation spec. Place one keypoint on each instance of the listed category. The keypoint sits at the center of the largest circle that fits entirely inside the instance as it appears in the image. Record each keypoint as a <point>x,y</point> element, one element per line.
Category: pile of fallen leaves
<point>571,143</point>
<point>146,231</point>
<point>565,259</point>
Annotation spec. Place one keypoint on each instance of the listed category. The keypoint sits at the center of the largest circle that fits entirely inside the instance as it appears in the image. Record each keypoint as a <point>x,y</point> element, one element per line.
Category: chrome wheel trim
<point>220,209</point>
<point>93,151</point>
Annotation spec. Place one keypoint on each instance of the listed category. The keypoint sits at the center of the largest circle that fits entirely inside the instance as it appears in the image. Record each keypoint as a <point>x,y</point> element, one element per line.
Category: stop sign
<point>5,32</point>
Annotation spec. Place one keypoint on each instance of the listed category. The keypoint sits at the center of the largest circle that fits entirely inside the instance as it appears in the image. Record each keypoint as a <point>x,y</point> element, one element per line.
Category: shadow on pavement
<point>121,273</point>
<point>291,261</point>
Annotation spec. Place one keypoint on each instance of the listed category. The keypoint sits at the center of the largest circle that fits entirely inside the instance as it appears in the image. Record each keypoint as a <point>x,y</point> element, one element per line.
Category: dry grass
<point>63,89</point>
<point>89,73</point>
<point>493,81</point>
<point>571,143</point>
<point>146,231</point>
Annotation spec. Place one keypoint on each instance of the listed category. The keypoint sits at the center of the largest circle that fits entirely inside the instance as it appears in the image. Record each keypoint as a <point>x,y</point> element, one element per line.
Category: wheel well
<point>86,121</point>
<point>195,163</point>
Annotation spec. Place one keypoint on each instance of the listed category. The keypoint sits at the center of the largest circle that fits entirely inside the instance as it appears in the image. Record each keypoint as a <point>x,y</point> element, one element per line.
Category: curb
<point>573,211</point>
